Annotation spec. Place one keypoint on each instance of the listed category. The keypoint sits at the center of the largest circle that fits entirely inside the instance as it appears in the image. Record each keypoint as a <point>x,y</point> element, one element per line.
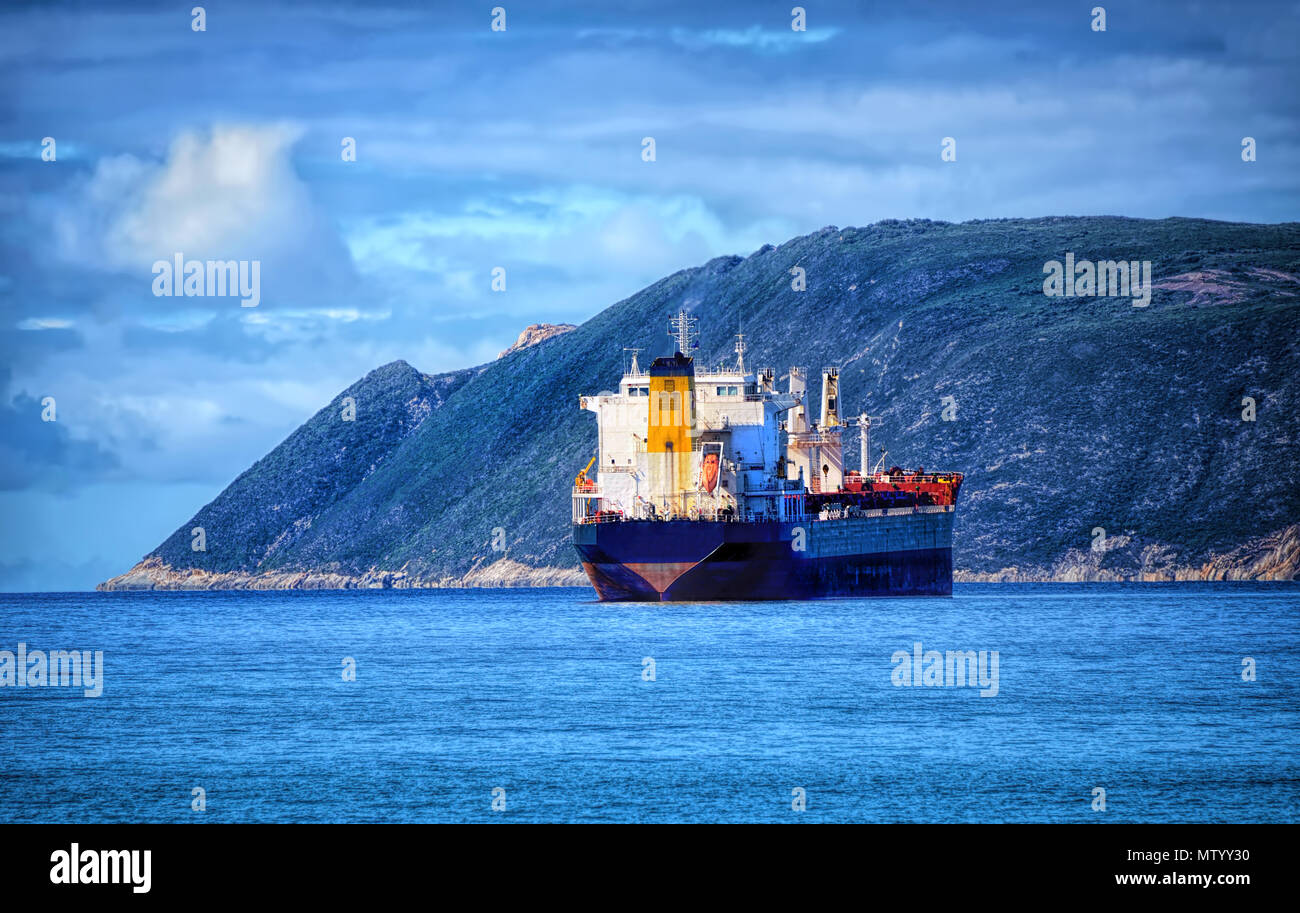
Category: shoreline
<point>1275,557</point>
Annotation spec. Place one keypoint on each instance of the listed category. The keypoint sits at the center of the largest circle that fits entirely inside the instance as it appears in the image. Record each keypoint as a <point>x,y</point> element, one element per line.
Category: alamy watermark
<point>930,668</point>
<point>77,866</point>
<point>179,277</point>
<point>1105,278</point>
<point>66,668</point>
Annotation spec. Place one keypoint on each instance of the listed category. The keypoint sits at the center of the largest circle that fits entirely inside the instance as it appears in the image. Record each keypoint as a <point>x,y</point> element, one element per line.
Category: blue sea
<point>558,708</point>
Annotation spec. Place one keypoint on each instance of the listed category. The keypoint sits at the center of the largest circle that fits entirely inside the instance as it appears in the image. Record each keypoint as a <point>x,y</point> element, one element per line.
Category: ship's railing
<point>811,438</point>
<point>592,510</point>
<point>586,500</point>
<point>602,517</point>
<point>618,516</point>
<point>588,506</point>
<point>905,478</point>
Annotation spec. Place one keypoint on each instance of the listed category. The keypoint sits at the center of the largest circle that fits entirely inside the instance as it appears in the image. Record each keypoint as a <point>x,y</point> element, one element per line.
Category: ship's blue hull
<point>890,554</point>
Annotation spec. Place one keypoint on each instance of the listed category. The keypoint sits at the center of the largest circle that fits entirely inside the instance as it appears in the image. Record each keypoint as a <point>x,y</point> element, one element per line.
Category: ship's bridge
<point>682,440</point>
<point>705,443</point>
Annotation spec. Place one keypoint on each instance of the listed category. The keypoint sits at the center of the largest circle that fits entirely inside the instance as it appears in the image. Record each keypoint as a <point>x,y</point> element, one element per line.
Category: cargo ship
<point>713,485</point>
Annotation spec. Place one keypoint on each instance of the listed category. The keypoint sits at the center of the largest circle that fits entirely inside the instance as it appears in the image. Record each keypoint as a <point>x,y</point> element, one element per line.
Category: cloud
<point>568,250</point>
<point>233,189</point>
<point>43,454</point>
<point>754,38</point>
<point>230,193</point>
<point>44,323</point>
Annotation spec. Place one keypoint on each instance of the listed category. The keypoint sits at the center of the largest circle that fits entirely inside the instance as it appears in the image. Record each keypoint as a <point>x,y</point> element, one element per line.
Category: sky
<point>520,148</point>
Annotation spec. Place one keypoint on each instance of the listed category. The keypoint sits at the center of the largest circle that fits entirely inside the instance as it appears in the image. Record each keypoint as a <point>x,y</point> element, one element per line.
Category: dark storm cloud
<point>42,454</point>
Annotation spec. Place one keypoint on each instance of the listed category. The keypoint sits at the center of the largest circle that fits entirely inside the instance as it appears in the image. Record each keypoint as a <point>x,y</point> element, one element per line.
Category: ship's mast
<point>863,422</point>
<point>682,328</point>
<point>740,353</point>
<point>636,368</point>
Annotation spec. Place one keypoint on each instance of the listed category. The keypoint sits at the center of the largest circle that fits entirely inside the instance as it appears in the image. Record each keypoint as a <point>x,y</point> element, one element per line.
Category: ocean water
<point>1134,689</point>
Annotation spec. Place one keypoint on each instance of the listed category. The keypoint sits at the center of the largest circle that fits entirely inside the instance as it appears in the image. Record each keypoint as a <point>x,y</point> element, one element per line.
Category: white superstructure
<point>743,461</point>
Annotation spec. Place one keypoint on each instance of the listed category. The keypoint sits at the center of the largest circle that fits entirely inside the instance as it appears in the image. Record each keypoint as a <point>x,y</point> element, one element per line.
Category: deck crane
<point>581,481</point>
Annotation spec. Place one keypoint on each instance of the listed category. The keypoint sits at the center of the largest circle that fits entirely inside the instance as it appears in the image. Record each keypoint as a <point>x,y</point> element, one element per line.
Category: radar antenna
<point>682,328</point>
<point>636,368</point>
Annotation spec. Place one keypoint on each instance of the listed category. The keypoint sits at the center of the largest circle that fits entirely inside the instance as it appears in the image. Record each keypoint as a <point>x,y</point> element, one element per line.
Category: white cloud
<point>229,193</point>
<point>754,37</point>
<point>569,231</point>
<point>44,323</point>
<point>232,189</point>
